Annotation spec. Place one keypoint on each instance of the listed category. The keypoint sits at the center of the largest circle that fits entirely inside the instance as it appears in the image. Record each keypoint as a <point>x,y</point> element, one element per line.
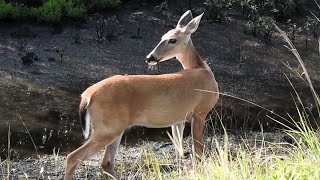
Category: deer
<point>117,103</point>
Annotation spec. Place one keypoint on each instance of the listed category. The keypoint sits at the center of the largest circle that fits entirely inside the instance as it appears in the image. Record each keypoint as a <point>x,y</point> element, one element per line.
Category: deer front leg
<point>197,128</point>
<point>110,151</point>
<point>177,135</point>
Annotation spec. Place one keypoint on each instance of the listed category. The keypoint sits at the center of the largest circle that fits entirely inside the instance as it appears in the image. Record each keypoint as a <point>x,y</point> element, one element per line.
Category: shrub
<point>283,10</point>
<point>33,12</point>
<point>260,28</point>
<point>5,9</point>
<point>19,12</point>
<point>265,26</point>
<point>51,11</point>
<point>251,9</point>
<point>54,10</point>
<point>74,11</point>
<point>216,8</point>
<point>312,24</point>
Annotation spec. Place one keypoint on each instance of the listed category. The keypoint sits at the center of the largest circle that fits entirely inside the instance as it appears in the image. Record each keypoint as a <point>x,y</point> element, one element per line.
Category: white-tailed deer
<point>112,105</point>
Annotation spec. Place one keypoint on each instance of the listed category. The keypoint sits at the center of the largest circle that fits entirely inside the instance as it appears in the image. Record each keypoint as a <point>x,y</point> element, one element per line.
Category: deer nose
<point>151,58</point>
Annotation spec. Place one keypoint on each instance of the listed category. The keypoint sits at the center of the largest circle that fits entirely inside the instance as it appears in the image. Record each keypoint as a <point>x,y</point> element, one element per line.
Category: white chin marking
<point>152,63</point>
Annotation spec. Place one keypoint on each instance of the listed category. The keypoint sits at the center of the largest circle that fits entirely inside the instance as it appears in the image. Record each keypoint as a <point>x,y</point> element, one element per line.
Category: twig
<point>34,145</point>
<point>9,154</point>
<point>317,3</point>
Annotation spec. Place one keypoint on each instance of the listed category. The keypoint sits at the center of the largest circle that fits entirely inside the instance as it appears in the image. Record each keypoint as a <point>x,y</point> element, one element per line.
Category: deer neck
<point>191,59</point>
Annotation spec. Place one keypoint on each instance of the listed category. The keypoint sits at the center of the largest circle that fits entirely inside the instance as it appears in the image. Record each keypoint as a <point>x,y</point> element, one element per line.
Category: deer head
<point>175,41</point>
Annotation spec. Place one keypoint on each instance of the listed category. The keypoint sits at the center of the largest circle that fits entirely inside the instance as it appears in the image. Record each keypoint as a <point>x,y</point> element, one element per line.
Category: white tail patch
<point>86,131</point>
<point>88,98</point>
<point>88,101</point>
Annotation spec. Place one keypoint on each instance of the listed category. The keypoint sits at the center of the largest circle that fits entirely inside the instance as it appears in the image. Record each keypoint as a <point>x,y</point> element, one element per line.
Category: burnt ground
<point>44,69</point>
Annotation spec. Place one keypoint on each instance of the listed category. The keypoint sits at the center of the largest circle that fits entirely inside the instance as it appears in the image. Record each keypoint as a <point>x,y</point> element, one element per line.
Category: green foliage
<point>53,11</point>
<point>34,12</point>
<point>5,9</point>
<point>73,10</point>
<point>8,10</point>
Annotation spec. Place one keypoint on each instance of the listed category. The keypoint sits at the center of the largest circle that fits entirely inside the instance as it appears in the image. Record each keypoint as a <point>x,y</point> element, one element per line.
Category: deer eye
<point>172,41</point>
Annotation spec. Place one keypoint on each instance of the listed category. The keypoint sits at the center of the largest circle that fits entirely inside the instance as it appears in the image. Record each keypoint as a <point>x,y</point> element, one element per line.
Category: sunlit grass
<point>299,160</point>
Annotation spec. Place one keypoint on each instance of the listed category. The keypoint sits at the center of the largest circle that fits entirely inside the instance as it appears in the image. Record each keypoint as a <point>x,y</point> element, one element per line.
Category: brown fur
<point>152,101</point>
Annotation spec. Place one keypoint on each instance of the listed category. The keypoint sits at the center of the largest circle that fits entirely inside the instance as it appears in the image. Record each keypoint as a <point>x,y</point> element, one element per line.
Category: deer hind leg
<point>177,135</point>
<point>110,151</point>
<point>197,128</point>
<point>92,146</point>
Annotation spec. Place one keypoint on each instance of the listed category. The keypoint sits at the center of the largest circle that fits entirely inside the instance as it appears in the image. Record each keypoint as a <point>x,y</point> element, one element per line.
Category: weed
<point>293,32</point>
<point>163,6</point>
<point>216,8</point>
<point>108,29</point>
<point>76,35</point>
<point>260,28</point>
<point>312,24</point>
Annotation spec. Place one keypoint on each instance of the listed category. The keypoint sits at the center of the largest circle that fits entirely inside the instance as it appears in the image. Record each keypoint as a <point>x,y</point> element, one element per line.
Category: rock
<point>51,59</point>
<point>29,58</point>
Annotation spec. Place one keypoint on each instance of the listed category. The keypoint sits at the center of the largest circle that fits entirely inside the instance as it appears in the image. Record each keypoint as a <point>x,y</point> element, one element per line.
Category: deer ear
<point>193,24</point>
<point>185,19</point>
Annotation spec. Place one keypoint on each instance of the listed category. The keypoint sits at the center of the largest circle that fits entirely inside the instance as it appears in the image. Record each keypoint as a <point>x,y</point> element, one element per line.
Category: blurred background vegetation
<point>52,11</point>
<point>257,16</point>
<point>55,10</point>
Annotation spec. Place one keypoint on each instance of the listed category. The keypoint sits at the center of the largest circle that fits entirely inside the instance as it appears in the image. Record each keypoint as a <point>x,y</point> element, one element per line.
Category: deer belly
<point>160,120</point>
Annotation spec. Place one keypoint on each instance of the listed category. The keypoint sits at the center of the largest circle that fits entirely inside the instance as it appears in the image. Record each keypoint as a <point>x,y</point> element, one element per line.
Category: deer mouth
<point>153,63</point>
<point>152,60</point>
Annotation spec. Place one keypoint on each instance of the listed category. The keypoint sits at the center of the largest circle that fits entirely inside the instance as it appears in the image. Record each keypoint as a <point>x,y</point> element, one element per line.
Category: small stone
<point>26,60</point>
<point>51,59</point>
<point>29,58</point>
